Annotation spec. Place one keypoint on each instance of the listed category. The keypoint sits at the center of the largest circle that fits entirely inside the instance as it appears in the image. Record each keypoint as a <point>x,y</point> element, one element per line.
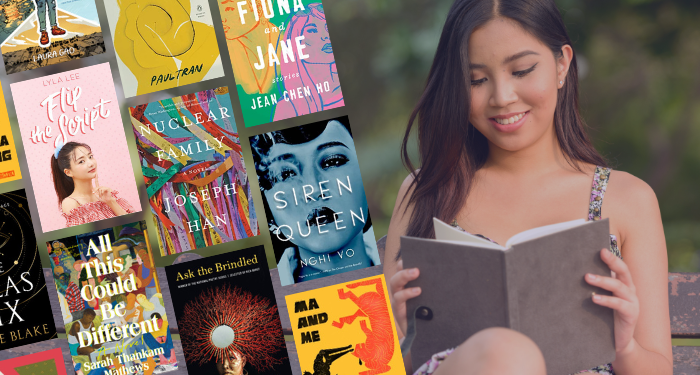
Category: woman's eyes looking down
<point>286,172</point>
<point>517,74</point>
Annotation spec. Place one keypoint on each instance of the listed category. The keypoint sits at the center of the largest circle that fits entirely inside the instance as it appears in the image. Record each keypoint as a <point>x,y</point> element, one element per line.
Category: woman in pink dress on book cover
<point>73,168</point>
<point>318,70</point>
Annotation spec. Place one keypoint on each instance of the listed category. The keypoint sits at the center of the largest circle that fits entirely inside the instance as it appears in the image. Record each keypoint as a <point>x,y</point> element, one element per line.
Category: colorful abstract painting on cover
<point>282,58</point>
<point>36,33</point>
<point>191,160</point>
<point>162,44</point>
<point>346,329</point>
<point>227,316</point>
<point>111,305</point>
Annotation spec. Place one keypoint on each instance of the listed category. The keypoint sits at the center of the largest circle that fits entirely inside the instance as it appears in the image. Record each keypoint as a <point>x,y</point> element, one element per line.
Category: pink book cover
<point>48,362</point>
<point>75,146</point>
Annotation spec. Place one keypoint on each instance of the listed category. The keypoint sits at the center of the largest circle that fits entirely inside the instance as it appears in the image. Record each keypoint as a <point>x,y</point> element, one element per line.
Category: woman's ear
<point>563,64</point>
<point>68,172</point>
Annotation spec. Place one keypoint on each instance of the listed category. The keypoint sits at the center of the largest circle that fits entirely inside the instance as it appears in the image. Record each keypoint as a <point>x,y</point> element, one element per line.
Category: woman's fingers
<point>402,277</point>
<point>617,287</point>
<point>404,295</point>
<point>624,307</point>
<point>618,266</point>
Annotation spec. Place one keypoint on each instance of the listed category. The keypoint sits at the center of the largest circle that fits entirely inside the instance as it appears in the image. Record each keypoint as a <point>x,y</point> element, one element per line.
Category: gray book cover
<point>536,287</point>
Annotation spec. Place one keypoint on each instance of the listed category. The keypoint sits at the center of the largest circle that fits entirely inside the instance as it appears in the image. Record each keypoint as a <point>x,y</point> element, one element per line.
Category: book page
<point>447,233</point>
<point>538,232</point>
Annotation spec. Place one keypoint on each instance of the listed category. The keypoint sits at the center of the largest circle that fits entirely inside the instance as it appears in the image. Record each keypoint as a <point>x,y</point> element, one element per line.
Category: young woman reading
<point>503,149</point>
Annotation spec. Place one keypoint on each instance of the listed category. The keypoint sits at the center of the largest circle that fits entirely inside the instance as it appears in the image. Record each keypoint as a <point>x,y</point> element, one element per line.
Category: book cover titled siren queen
<point>314,200</point>
<point>282,58</point>
<point>36,33</point>
<point>75,147</point>
<point>111,305</point>
<point>196,180</point>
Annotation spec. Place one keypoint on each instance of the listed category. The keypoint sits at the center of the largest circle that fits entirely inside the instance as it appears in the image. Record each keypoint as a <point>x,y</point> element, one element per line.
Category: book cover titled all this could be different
<point>314,200</point>
<point>346,329</point>
<point>74,142</point>
<point>36,33</point>
<point>25,316</point>
<point>282,58</point>
<point>111,302</point>
<point>162,44</point>
<point>227,315</point>
<point>196,180</point>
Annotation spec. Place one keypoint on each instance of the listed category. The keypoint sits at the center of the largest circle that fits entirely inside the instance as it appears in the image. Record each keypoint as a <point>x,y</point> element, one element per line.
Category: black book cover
<point>25,310</point>
<point>227,315</point>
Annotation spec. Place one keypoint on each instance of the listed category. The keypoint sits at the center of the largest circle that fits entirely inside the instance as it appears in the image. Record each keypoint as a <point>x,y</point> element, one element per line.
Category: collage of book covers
<point>440,213</point>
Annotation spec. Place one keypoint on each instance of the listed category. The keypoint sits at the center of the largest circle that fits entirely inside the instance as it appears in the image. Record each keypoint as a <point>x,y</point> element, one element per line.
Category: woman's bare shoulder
<point>630,199</point>
<point>68,205</point>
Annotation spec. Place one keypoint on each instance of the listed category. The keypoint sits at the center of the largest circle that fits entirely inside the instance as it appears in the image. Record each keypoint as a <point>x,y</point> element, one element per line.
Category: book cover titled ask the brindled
<point>227,316</point>
<point>191,160</point>
<point>282,58</point>
<point>25,316</point>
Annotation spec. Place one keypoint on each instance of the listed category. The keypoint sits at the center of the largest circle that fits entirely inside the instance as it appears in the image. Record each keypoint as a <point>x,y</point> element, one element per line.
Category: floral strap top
<point>601,176</point>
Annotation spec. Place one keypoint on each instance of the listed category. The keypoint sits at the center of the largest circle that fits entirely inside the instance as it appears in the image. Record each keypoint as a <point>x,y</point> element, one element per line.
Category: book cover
<point>191,161</point>
<point>227,315</point>
<point>282,58</point>
<point>314,200</point>
<point>9,164</point>
<point>346,329</point>
<point>75,147</point>
<point>111,303</point>
<point>163,44</point>
<point>48,362</point>
<point>36,33</point>
<point>25,316</point>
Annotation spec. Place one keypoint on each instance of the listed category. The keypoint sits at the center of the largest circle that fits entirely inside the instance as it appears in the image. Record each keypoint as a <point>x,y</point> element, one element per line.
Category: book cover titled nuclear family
<point>227,316</point>
<point>191,160</point>
<point>314,200</point>
<point>111,305</point>
<point>282,58</point>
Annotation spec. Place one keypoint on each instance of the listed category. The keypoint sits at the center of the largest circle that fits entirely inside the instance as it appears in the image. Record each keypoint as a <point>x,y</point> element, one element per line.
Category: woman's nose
<point>503,94</point>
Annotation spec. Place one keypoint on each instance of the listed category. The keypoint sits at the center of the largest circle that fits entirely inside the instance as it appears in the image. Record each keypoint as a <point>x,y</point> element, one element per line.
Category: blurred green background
<point>640,90</point>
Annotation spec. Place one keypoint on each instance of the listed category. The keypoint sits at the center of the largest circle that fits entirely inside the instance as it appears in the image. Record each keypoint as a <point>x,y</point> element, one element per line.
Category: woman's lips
<point>92,170</point>
<point>507,126</point>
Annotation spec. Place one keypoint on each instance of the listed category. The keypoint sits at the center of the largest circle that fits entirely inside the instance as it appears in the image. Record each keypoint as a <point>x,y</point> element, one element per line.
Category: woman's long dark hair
<point>450,151</point>
<point>61,182</point>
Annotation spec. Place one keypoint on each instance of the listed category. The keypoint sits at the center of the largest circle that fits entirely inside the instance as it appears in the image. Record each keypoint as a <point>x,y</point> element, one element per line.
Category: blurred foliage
<point>640,91</point>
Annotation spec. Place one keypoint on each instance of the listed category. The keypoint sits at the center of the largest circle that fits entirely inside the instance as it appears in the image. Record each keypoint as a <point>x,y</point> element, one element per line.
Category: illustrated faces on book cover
<point>515,81</point>
<point>292,167</point>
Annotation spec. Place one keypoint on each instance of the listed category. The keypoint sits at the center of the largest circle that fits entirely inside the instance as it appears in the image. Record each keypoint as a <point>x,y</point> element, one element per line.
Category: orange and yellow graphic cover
<point>346,329</point>
<point>9,165</point>
<point>162,44</point>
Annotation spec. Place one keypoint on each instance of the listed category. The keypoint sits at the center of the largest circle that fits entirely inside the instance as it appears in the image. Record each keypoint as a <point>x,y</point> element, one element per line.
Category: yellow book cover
<point>162,44</point>
<point>346,329</point>
<point>9,165</point>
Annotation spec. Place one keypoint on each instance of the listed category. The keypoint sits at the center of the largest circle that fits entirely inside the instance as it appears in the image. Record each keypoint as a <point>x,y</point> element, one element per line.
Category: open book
<point>534,284</point>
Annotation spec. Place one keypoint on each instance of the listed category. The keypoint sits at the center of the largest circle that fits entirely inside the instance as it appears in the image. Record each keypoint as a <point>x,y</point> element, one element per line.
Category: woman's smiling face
<point>514,84</point>
<point>83,165</point>
<point>299,169</point>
